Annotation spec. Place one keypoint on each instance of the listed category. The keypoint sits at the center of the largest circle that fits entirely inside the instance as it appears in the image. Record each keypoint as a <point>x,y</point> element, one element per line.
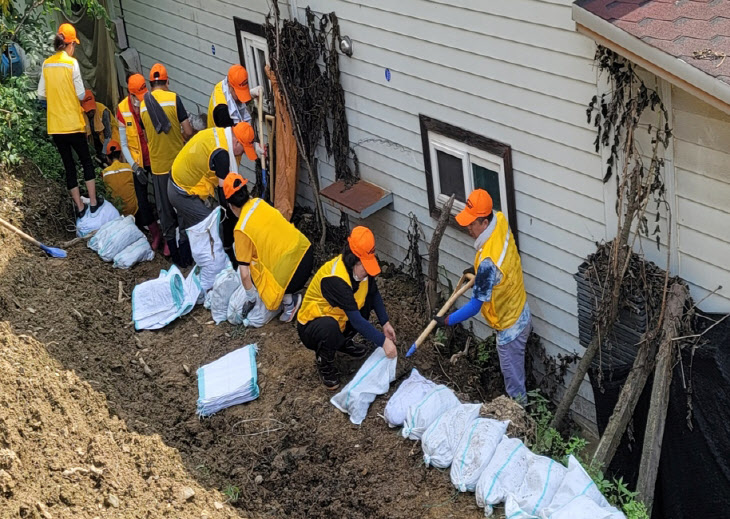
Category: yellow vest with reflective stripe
<point>163,147</point>
<point>64,113</point>
<point>315,305</point>
<point>98,126</point>
<point>508,297</point>
<point>133,142</point>
<point>279,248</point>
<point>120,183</point>
<point>191,168</point>
<point>216,98</point>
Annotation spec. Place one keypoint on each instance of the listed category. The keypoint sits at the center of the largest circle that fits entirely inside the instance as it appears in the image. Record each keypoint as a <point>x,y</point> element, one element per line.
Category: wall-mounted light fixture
<point>346,45</point>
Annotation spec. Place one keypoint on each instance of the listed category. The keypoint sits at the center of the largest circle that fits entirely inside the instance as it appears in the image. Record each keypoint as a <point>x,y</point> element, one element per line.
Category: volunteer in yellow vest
<point>274,259</point>
<point>498,288</point>
<point>338,303</point>
<point>166,125</point>
<point>119,179</point>
<point>100,125</point>
<point>227,105</point>
<point>134,150</point>
<point>200,168</point>
<point>63,89</point>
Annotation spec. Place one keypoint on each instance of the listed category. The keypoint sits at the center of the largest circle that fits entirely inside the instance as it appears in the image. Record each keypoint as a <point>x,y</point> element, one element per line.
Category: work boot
<point>354,349</point>
<point>290,310</point>
<point>166,250</point>
<point>156,235</point>
<point>186,255</point>
<point>173,251</point>
<point>328,372</point>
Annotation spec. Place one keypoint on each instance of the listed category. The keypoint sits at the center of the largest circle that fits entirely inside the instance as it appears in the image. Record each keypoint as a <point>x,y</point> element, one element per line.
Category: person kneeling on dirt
<point>200,167</point>
<point>498,288</point>
<point>338,304</point>
<point>274,259</point>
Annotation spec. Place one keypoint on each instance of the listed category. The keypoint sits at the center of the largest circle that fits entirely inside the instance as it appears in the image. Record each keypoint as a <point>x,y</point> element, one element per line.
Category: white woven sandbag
<point>216,300</point>
<point>372,379</point>
<point>583,507</point>
<point>504,473</point>
<point>475,451</point>
<point>206,247</point>
<point>441,439</point>
<point>95,221</point>
<point>106,231</point>
<point>137,252</point>
<point>258,316</point>
<point>576,482</point>
<point>123,235</point>
<point>421,415</point>
<point>410,392</point>
<point>540,485</point>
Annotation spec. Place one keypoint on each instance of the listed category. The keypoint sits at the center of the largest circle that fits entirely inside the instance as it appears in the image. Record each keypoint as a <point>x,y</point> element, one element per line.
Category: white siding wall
<point>516,72</point>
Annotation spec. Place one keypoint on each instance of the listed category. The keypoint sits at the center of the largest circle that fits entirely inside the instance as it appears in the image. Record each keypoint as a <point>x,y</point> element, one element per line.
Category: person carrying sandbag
<point>498,288</point>
<point>338,304</point>
<point>275,260</point>
<point>198,170</point>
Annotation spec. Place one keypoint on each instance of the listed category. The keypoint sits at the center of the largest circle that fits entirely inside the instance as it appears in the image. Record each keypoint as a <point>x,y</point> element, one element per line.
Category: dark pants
<point>143,217</point>
<point>66,142</point>
<point>301,275</point>
<point>168,219</point>
<point>323,336</point>
<point>190,209</point>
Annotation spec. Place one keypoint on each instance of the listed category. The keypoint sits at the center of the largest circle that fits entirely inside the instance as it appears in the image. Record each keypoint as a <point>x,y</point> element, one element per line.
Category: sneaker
<point>328,373</point>
<point>82,213</point>
<point>291,310</point>
<point>99,203</point>
<point>354,349</point>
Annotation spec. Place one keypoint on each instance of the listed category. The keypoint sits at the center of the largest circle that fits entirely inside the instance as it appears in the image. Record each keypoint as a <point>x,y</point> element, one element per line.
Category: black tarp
<point>694,472</point>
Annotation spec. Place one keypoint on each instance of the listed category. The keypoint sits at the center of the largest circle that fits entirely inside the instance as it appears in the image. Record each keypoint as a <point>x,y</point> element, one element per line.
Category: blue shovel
<point>464,284</point>
<point>51,251</point>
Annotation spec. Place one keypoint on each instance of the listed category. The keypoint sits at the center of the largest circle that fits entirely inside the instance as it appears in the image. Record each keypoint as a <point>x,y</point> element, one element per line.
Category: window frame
<point>251,35</point>
<point>438,135</point>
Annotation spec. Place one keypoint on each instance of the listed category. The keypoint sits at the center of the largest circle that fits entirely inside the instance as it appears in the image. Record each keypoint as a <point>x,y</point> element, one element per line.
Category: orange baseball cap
<point>89,102</point>
<point>362,245</point>
<point>233,183</point>
<point>137,86</point>
<point>68,32</point>
<point>478,205</point>
<point>238,81</point>
<point>112,146</point>
<point>245,135</point>
<point>158,72</point>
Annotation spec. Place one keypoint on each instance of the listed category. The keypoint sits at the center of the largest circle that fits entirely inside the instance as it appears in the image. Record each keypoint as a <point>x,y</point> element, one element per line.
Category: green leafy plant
<point>485,349</point>
<point>232,493</point>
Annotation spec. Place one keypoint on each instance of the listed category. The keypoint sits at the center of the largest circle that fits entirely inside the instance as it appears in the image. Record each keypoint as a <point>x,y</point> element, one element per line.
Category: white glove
<point>251,294</point>
<point>255,91</point>
<point>259,150</point>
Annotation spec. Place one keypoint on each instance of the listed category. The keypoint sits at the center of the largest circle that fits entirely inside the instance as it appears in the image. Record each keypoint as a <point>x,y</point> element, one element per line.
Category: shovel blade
<point>53,251</point>
<point>411,350</point>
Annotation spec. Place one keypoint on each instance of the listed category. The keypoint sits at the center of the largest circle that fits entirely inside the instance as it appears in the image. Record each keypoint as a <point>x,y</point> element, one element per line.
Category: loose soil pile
<point>76,398</point>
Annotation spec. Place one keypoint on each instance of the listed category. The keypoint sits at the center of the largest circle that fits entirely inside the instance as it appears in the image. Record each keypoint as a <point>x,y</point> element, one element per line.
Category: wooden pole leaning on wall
<point>433,257</point>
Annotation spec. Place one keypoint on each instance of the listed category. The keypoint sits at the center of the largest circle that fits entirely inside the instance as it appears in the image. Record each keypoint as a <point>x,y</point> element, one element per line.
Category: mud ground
<point>74,394</point>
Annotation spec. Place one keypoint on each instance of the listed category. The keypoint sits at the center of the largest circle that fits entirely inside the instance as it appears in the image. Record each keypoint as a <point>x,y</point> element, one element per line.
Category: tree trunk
<point>433,257</point>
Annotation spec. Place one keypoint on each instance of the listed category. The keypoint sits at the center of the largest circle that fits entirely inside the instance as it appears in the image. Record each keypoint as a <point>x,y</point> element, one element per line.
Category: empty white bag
<point>216,300</point>
<point>583,507</point>
<point>137,252</point>
<point>504,473</point>
<point>540,485</point>
<point>475,451</point>
<point>576,483</point>
<point>207,248</point>
<point>441,439</point>
<point>410,392</point>
<point>158,302</point>
<point>94,221</point>
<point>371,380</point>
<point>421,415</point>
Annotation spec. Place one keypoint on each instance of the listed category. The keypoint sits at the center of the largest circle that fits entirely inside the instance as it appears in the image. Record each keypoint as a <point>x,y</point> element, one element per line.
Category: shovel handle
<point>20,233</point>
<point>465,283</point>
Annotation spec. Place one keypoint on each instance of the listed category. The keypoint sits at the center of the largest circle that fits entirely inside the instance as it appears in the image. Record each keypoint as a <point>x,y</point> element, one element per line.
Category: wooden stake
<point>433,256</point>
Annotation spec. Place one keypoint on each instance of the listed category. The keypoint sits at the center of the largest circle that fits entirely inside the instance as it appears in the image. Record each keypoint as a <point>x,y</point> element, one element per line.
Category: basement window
<point>458,161</point>
<point>253,53</point>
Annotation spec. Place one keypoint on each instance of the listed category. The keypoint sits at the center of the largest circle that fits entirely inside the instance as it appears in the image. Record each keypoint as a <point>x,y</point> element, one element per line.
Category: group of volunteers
<point>192,173</point>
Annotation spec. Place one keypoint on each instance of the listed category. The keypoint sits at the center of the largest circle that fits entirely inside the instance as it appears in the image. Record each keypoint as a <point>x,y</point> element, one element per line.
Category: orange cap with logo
<point>232,183</point>
<point>137,86</point>
<point>112,146</point>
<point>245,135</point>
<point>478,205</point>
<point>238,81</point>
<point>362,245</point>
<point>89,102</point>
<point>158,72</point>
<point>68,32</point>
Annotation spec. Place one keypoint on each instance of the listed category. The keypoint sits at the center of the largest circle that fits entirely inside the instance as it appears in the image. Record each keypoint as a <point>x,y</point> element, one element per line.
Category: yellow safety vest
<point>191,168</point>
<point>98,125</point>
<point>279,247</point>
<point>508,296</point>
<point>218,97</point>
<point>163,147</point>
<point>133,142</point>
<point>119,181</point>
<point>315,305</point>
<point>64,113</point>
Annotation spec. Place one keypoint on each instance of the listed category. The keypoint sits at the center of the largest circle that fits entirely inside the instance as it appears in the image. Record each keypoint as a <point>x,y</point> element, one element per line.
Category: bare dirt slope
<point>75,398</point>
